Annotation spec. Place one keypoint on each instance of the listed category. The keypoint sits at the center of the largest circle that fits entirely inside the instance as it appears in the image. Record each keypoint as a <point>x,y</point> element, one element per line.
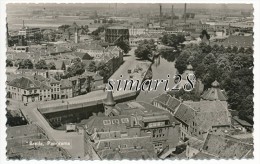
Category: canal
<point>161,68</point>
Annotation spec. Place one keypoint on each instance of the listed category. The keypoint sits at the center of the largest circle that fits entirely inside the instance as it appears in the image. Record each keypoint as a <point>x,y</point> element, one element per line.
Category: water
<point>160,68</point>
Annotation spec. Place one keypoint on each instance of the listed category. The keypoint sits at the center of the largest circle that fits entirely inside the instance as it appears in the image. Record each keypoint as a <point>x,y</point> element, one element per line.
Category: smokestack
<point>23,23</point>
<point>185,7</point>
<point>172,17</point>
<point>160,15</point>
<point>116,9</point>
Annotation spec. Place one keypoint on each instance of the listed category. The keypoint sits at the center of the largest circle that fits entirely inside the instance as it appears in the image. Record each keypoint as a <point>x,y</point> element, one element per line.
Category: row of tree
<point>145,49</point>
<point>28,64</point>
<point>231,67</point>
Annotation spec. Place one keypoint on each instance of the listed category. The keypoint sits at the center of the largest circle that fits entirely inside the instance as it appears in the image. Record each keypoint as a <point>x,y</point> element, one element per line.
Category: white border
<point>256,79</point>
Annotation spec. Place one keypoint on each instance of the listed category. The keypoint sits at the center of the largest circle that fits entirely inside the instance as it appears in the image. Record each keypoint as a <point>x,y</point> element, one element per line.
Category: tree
<point>234,49</point>
<point>37,37</point>
<point>75,60</point>
<point>173,40</point>
<point>64,27</point>
<point>92,66</point>
<point>204,33</point>
<point>215,48</point>
<point>25,64</point>
<point>77,68</point>
<point>52,66</point>
<point>241,50</point>
<point>9,63</point>
<point>41,64</point>
<point>99,30</point>
<point>229,49</point>
<point>124,45</point>
<point>205,48</point>
<point>103,70</point>
<point>182,62</point>
<point>249,51</point>
<point>110,21</point>
<point>145,48</point>
<point>169,55</point>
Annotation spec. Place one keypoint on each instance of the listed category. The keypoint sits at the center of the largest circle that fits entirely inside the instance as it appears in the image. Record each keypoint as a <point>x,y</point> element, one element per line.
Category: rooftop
<point>227,147</point>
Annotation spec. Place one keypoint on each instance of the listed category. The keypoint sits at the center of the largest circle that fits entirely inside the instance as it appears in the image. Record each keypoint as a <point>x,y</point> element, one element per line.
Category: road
<point>34,116</point>
<point>77,140</point>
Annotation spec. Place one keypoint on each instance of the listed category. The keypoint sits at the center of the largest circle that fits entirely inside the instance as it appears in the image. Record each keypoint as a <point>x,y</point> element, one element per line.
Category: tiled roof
<point>206,106</point>
<point>65,83</point>
<point>168,101</point>
<point>139,108</point>
<point>242,122</point>
<point>83,56</point>
<point>19,131</point>
<point>24,83</point>
<point>129,154</point>
<point>185,113</point>
<point>210,113</point>
<point>203,155</point>
<point>102,123</point>
<point>226,147</point>
<point>205,113</point>
<point>214,93</point>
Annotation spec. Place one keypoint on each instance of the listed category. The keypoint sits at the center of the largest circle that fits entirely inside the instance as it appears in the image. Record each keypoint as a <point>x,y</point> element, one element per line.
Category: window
<point>107,122</point>
<point>124,120</point>
<point>115,121</point>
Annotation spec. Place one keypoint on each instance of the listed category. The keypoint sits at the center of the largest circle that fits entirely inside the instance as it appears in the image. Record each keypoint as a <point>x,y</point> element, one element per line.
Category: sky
<point>120,6</point>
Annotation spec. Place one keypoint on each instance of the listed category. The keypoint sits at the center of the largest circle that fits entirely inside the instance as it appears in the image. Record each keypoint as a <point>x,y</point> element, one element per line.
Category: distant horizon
<point>228,6</point>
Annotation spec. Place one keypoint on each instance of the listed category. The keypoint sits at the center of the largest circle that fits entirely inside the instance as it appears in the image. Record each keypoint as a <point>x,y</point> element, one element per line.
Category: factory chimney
<point>23,24</point>
<point>172,17</point>
<point>116,9</point>
<point>160,15</point>
<point>185,7</point>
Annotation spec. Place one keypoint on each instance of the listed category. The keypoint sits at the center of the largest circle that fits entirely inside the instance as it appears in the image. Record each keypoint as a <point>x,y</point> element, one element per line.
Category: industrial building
<point>116,33</point>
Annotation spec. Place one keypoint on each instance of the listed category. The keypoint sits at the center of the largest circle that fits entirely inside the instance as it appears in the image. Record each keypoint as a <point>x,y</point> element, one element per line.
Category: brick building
<point>129,128</point>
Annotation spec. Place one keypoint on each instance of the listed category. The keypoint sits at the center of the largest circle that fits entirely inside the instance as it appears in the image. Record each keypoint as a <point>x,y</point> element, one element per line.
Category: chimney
<point>160,15</point>
<point>185,7</point>
<point>172,17</point>
<point>23,23</point>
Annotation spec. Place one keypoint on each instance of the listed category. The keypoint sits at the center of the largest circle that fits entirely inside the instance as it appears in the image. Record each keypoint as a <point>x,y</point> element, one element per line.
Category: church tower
<point>76,35</point>
<point>109,103</point>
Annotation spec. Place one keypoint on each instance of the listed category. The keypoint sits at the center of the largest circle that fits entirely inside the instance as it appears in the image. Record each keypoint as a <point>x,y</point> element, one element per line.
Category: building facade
<point>113,34</point>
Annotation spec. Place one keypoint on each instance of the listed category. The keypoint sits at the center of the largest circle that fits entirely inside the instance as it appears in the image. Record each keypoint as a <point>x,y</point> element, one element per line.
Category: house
<point>214,93</point>
<point>81,84</point>
<point>166,102</point>
<point>226,147</point>
<point>129,128</point>
<point>33,88</point>
<point>198,118</point>
<point>66,89</point>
